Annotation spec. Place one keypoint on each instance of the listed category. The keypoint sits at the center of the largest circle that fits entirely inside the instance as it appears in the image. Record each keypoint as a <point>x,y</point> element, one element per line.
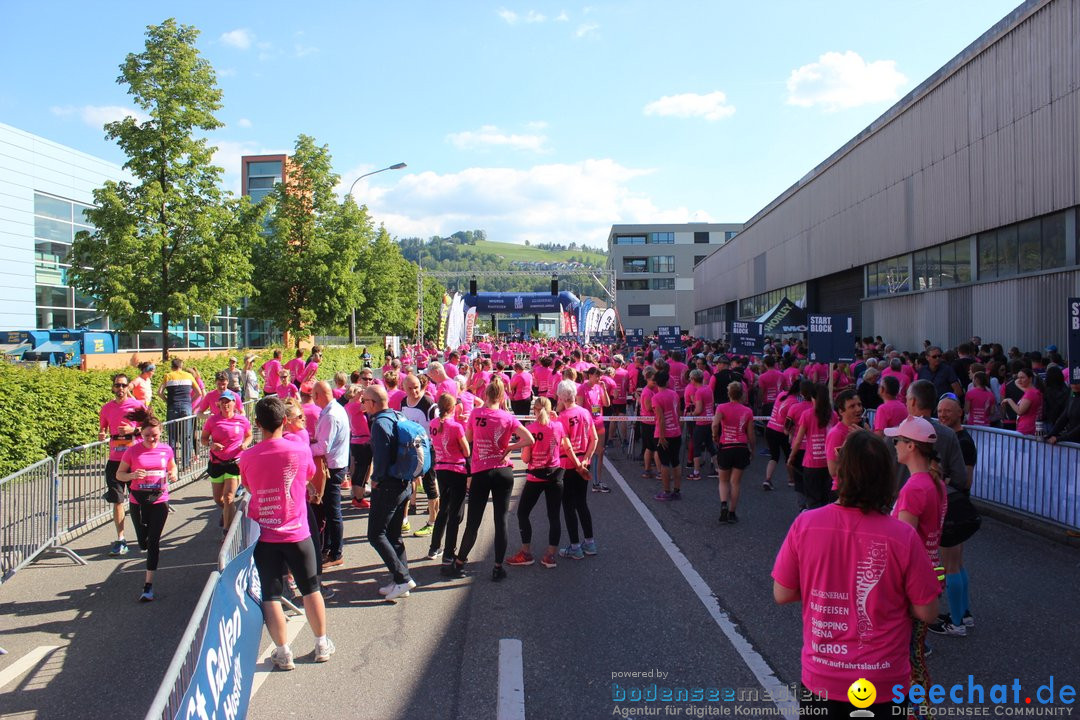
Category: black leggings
<point>498,482</point>
<point>149,521</point>
<point>575,505</point>
<point>451,510</point>
<point>779,444</point>
<point>273,560</point>
<point>552,490</point>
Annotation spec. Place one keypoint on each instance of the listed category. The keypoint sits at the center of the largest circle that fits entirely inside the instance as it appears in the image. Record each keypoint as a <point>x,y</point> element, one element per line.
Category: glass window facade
<point>662,238</point>
<point>637,310</point>
<point>629,239</point>
<point>635,264</point>
<point>662,263</point>
<point>261,178</point>
<point>701,238</point>
<point>56,220</point>
<point>756,306</point>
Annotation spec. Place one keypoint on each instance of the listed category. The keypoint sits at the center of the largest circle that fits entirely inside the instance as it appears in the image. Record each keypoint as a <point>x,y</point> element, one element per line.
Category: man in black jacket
<point>1067,427</point>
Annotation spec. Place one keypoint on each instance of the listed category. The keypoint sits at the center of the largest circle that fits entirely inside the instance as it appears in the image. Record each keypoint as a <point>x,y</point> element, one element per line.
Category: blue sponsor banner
<point>747,338</point>
<point>670,336</point>
<point>831,338</point>
<point>1074,339</point>
<point>221,686</point>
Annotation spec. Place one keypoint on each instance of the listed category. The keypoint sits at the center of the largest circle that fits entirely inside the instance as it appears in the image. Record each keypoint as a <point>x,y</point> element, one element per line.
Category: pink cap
<point>914,428</point>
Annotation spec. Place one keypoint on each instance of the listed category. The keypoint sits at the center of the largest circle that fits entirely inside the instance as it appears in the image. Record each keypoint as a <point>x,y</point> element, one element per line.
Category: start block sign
<point>670,336</point>
<point>1074,339</point>
<point>831,338</point>
<point>747,338</point>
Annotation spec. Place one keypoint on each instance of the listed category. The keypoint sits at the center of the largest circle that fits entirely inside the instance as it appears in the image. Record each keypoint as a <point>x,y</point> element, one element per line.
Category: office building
<point>953,214</point>
<point>654,270</point>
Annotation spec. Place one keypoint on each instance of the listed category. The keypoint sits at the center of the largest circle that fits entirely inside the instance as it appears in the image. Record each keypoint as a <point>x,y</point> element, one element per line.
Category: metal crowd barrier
<point>26,523</point>
<point>1023,473</point>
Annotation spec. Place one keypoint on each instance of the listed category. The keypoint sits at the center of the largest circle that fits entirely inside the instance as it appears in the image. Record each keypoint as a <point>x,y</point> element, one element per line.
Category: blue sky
<point>533,121</point>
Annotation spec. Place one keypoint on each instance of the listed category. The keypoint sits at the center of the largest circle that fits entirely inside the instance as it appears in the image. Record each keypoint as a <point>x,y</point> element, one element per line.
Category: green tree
<point>387,305</point>
<point>304,264</point>
<point>171,241</point>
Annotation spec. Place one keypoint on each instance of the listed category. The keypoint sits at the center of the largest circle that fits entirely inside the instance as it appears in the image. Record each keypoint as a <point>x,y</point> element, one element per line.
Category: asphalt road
<point>686,606</point>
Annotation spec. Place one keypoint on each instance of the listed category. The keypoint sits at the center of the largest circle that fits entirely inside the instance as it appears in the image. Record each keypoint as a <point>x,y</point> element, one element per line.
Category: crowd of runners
<point>898,512</point>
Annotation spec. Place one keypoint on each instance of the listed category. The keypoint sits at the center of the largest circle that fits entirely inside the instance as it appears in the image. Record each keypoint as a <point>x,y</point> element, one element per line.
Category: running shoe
<point>724,513</point>
<point>589,547</point>
<point>323,650</point>
<point>425,531</point>
<point>147,595</point>
<point>648,474</point>
<point>400,591</point>
<point>764,452</point>
<point>548,560</point>
<point>387,589</point>
<point>676,494</point>
<point>498,573</point>
<point>333,562</point>
<point>696,475</point>
<point>455,571</point>
<point>945,627</point>
<point>346,484</point>
<point>328,592</point>
<point>434,554</point>
<point>968,619</point>
<point>767,485</point>
<point>405,526</point>
<point>662,496</point>
<point>119,547</point>
<point>521,559</point>
<point>600,488</point>
<point>732,518</point>
<point>291,582</point>
<point>363,504</point>
<point>574,553</point>
<point>282,658</point>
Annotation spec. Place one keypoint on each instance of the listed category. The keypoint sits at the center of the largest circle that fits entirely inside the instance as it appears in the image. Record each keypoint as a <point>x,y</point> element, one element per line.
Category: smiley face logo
<point>862,693</point>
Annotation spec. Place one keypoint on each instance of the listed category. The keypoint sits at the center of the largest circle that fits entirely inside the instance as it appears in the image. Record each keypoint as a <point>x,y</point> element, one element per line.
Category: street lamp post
<point>352,316</point>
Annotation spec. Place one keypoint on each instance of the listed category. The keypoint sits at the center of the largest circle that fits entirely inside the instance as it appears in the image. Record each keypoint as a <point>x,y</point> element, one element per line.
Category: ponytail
<point>144,416</point>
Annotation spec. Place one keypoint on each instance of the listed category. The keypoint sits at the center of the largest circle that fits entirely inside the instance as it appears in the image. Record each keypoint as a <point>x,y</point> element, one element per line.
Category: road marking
<point>24,663</point>
<point>263,666</point>
<point>511,681</point>
<point>765,675</point>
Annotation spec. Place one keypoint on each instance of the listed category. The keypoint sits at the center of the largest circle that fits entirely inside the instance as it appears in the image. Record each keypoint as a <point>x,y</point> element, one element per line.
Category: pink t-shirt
<point>155,461</point>
<point>359,430</point>
<point>901,377</point>
<point>111,417</point>
<point>1026,423</point>
<point>338,392</point>
<point>295,368</point>
<point>813,442</point>
<point>302,438</point>
<point>521,386</point>
<point>466,404</point>
<point>678,372</point>
<point>982,402</point>
<point>621,378</point>
<point>311,371</point>
<point>889,414</point>
<point>792,376</point>
<point>703,395</point>
<point>491,430</point>
<point>270,372</point>
<point>646,409</point>
<point>779,412</point>
<point>577,423</point>
<point>593,396</point>
<point>446,434</point>
<point>286,391</point>
<point>734,417</point>
<point>771,383</point>
<point>542,377</point>
<point>858,574</point>
<point>667,401</point>
<point>922,497</point>
<point>545,452</point>
<point>446,386</point>
<point>229,432</point>
<point>795,411</point>
<point>276,472</point>
<point>395,399</point>
<point>834,440</point>
<point>451,371</point>
<point>311,416</point>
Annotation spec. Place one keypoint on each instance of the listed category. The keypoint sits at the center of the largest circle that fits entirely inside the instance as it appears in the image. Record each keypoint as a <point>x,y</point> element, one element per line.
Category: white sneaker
<point>282,658</point>
<point>323,651</point>
<point>387,589</point>
<point>400,591</point>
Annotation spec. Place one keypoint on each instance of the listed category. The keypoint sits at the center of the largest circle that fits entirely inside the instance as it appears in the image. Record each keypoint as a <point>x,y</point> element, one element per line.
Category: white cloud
<point>562,17</point>
<point>844,80</point>
<point>243,122</point>
<point>537,125</point>
<point>566,202</point>
<point>490,136</point>
<point>585,29</point>
<point>98,115</point>
<point>241,38</point>
<point>305,50</point>
<point>513,18</point>
<point>711,106</point>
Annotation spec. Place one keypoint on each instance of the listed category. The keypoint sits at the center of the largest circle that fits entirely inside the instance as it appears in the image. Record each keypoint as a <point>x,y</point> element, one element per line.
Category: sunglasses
<point>120,385</point>
<point>933,357</point>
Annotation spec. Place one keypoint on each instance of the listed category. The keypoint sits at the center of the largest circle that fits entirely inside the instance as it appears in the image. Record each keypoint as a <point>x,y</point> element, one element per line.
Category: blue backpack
<point>412,455</point>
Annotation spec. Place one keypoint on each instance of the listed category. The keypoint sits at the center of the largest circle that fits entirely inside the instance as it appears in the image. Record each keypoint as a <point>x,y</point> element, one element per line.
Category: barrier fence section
<point>26,523</point>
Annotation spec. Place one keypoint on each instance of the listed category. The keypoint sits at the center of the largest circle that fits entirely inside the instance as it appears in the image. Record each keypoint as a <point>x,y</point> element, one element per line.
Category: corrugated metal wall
<point>994,140</point>
<point>1029,312</point>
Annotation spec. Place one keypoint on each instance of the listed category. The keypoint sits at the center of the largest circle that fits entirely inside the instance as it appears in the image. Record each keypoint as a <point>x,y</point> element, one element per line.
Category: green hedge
<point>45,411</point>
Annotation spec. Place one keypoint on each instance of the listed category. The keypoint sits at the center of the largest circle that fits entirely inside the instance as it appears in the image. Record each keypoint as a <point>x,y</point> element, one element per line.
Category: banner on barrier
<point>221,685</point>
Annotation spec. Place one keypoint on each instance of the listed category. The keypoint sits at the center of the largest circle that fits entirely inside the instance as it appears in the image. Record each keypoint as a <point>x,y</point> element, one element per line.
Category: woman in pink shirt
<point>776,437</point>
<point>578,424</point>
<point>451,447</point>
<point>488,433</point>
<point>647,424</point>
<point>1029,409</point>
<point>795,410</point>
<point>593,396</point>
<point>227,434</point>
<point>860,575</point>
<point>733,435</point>
<point>979,401</point>
<point>668,434</point>
<point>921,504</point>
<point>276,472</point>
<point>543,476</point>
<point>520,390</point>
<point>149,466</point>
<point>810,432</point>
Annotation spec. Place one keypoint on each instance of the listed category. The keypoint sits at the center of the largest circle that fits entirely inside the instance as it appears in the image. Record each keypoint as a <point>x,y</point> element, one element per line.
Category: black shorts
<point>735,457</point>
<point>778,443</point>
<point>669,456</point>
<point>617,409</point>
<point>647,439</point>
<point>521,407</point>
<point>116,492</point>
<point>703,442</point>
<point>361,460</point>
<point>218,470</point>
<point>273,559</point>
<point>430,482</point>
